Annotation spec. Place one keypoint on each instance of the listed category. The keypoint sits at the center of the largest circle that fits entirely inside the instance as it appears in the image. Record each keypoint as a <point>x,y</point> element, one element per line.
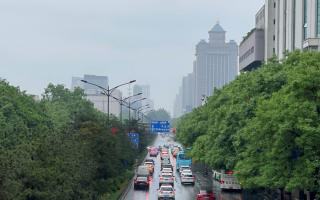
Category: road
<point>185,192</point>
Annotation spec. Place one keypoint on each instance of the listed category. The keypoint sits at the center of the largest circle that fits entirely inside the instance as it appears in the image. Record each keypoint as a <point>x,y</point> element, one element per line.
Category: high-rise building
<point>76,82</point>
<point>98,80</point>
<point>99,100</point>
<point>281,25</point>
<point>216,63</point>
<point>145,90</point>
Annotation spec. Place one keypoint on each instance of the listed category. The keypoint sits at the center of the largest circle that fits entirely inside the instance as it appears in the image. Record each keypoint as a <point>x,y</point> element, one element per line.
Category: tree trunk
<point>281,194</point>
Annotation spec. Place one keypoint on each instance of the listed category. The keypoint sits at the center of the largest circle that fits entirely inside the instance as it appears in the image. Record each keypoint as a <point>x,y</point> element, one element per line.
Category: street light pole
<point>108,91</point>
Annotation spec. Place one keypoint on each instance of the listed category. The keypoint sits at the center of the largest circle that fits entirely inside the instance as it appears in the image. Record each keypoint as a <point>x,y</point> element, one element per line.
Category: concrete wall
<point>255,41</point>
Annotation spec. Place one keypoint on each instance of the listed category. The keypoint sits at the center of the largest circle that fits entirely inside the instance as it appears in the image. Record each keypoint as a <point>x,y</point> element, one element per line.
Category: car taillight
<point>222,182</point>
<point>161,178</point>
<point>135,181</point>
<point>192,178</point>
<point>199,195</point>
<point>183,178</point>
<point>172,192</point>
<point>171,179</point>
<point>160,191</point>
<point>147,182</point>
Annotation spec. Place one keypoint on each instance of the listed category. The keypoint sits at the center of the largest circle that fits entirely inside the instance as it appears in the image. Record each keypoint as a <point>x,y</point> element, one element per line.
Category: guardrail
<point>126,190</point>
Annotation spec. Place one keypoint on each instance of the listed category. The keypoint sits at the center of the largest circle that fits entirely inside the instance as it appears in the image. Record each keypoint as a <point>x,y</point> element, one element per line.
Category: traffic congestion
<point>167,173</point>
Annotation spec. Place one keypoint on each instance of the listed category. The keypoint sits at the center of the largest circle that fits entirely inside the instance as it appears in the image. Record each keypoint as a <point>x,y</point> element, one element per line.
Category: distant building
<point>1,79</point>
<point>216,63</point>
<point>76,82</point>
<point>145,90</point>
<point>35,97</point>
<point>98,80</point>
<point>93,93</point>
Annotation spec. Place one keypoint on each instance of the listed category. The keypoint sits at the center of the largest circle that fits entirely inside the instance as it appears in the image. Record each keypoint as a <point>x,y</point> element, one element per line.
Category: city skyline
<point>158,51</point>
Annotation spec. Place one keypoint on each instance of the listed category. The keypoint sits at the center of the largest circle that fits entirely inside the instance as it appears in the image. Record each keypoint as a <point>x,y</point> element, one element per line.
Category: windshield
<point>166,189</point>
<point>183,157</point>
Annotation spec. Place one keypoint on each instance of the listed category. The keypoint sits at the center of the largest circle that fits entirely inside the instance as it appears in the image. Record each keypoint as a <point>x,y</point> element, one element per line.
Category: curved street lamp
<point>108,91</point>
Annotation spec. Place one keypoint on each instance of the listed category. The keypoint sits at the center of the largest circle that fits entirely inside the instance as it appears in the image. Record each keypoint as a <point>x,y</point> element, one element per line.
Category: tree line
<point>61,146</point>
<point>264,125</point>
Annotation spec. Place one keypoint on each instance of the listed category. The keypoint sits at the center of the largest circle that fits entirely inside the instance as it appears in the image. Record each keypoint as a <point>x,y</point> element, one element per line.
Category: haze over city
<point>149,41</point>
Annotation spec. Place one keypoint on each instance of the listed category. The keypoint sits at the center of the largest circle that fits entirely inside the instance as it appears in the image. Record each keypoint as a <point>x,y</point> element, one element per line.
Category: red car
<point>205,195</point>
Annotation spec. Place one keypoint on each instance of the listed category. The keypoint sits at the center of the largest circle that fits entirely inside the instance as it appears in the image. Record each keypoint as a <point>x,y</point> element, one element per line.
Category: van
<point>143,171</point>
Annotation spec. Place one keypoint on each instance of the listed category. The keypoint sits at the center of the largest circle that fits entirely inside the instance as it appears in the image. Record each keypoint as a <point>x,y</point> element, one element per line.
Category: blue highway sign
<point>160,126</point>
<point>134,138</point>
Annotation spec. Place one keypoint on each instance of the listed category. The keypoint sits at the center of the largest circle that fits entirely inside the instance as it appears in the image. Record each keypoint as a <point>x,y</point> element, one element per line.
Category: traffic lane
<point>152,193</point>
<point>210,182</point>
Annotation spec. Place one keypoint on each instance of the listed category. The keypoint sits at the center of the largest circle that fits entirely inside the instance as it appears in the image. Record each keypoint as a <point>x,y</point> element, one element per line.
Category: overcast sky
<point>151,41</point>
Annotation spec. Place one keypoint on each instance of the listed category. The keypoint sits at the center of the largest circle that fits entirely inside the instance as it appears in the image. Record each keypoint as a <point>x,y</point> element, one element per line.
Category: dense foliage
<point>264,125</point>
<point>60,147</point>
<point>161,115</point>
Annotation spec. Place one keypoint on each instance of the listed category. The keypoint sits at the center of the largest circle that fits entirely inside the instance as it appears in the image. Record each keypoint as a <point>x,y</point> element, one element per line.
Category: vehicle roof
<point>184,166</point>
<point>166,173</point>
<point>148,162</point>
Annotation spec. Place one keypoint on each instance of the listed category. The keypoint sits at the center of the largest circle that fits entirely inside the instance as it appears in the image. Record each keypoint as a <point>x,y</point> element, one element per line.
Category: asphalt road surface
<point>185,192</point>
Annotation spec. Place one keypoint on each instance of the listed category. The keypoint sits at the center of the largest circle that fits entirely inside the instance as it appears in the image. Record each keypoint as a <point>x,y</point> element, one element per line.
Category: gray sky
<point>150,41</point>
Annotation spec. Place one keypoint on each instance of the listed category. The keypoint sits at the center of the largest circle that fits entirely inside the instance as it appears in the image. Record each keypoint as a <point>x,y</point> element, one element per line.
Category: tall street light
<point>121,102</point>
<point>108,91</point>
<point>138,110</point>
<point>142,113</point>
<point>133,103</point>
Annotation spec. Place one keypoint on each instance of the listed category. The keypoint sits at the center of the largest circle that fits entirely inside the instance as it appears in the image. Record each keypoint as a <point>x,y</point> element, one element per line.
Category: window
<point>274,50</point>
<point>294,25</point>
<point>274,37</point>
<point>274,21</point>
<point>305,19</point>
<point>318,19</point>
<point>274,4</point>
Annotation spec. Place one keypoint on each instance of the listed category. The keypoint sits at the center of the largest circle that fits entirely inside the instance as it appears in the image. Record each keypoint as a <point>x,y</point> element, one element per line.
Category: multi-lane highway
<point>184,192</point>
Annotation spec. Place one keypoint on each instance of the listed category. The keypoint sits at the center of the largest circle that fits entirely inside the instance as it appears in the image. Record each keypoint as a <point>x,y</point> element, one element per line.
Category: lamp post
<point>121,102</point>
<point>108,91</point>
<point>142,113</point>
<point>133,103</point>
<point>138,110</point>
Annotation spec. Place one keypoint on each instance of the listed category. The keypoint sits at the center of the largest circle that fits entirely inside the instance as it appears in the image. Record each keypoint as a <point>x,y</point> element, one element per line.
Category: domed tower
<point>217,35</point>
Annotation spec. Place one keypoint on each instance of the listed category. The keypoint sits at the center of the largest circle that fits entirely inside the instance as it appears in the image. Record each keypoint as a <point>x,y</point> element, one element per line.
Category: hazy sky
<point>151,41</point>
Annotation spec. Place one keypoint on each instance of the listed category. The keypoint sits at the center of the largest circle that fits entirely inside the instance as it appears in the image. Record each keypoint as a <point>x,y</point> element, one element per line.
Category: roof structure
<point>217,28</point>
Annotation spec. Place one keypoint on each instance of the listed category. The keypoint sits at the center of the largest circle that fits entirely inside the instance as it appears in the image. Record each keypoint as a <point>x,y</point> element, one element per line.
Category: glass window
<point>318,19</point>
<point>305,19</point>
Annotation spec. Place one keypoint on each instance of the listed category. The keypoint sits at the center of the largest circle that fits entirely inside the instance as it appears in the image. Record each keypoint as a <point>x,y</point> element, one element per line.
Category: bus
<point>228,181</point>
<point>183,160</point>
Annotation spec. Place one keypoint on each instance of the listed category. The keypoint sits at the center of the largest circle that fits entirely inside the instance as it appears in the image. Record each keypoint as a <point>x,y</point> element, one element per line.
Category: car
<point>165,156</point>
<point>185,171</point>
<point>183,167</point>
<point>187,178</point>
<point>165,161</point>
<point>150,160</point>
<point>168,139</point>
<point>166,166</point>
<point>205,195</point>
<point>141,182</point>
<point>175,153</point>
<point>150,165</point>
<point>166,146</point>
<point>167,170</point>
<point>166,178</point>
<point>166,191</point>
<point>153,153</point>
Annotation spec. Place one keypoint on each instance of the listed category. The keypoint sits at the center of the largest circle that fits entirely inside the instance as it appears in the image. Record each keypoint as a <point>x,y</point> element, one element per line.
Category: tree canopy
<point>264,125</point>
<point>60,147</point>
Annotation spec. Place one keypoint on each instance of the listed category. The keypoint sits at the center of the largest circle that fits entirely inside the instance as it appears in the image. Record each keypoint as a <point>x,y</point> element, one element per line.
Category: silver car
<point>185,171</point>
<point>166,192</point>
<point>166,178</point>
<point>187,178</point>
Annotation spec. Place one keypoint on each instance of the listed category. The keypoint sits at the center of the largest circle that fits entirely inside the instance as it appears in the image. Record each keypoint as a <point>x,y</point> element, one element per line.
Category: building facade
<point>216,63</point>
<point>287,25</point>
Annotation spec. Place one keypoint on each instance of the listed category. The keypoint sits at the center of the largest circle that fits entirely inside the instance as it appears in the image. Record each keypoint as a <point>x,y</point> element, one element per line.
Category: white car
<point>166,192</point>
<point>166,178</point>
<point>166,170</point>
<point>187,178</point>
<point>183,167</point>
<point>165,156</point>
<point>185,171</point>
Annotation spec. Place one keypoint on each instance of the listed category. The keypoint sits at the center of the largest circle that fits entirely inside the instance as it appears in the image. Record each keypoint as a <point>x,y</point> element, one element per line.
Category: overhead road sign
<point>160,126</point>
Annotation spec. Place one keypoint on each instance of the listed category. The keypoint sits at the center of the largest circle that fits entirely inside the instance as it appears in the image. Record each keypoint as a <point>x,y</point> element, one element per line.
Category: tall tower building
<point>216,63</point>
